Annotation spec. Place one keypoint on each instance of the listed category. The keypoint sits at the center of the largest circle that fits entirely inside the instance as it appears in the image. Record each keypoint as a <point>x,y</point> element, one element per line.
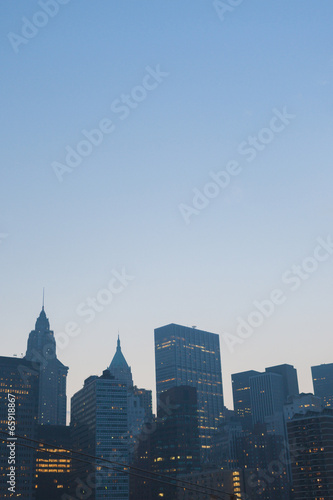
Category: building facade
<point>19,386</point>
<point>41,351</point>
<point>289,379</point>
<point>322,377</point>
<point>310,439</point>
<point>99,428</point>
<point>241,392</point>
<point>188,356</point>
<point>53,462</point>
<point>267,399</point>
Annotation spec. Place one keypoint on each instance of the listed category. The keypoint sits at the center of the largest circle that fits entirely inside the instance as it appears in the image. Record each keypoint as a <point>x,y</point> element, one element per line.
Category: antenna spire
<point>43,297</point>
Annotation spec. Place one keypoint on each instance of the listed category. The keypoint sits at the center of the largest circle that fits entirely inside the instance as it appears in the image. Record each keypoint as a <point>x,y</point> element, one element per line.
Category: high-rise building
<point>322,376</point>
<point>19,386</point>
<point>267,399</point>
<point>41,350</point>
<point>99,428</point>
<point>139,401</point>
<point>289,376</point>
<point>310,439</point>
<point>53,462</point>
<point>176,446</point>
<point>242,397</point>
<point>188,356</point>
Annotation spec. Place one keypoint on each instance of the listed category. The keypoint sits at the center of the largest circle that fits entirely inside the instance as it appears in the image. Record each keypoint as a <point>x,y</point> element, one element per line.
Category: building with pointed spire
<point>119,367</point>
<point>41,351</point>
<point>139,401</point>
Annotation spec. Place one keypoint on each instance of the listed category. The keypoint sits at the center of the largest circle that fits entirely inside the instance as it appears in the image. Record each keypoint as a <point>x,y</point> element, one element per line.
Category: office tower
<point>289,376</point>
<point>52,390</point>
<point>262,456</point>
<point>18,378</point>
<point>310,439</point>
<point>322,377</point>
<point>187,356</point>
<point>267,399</point>
<point>53,467</point>
<point>99,428</point>
<point>176,447</point>
<point>139,401</point>
<point>242,397</point>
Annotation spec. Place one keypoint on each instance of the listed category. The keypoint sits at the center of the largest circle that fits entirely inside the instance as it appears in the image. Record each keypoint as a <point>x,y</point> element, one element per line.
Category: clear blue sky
<point>120,207</point>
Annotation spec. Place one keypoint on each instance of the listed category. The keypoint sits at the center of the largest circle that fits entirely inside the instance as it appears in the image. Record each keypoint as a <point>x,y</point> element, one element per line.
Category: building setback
<point>41,351</point>
<point>18,378</point>
<point>188,356</point>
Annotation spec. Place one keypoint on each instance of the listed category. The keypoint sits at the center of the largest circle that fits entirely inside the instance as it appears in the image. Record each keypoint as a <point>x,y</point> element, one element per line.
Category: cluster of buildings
<point>277,444</point>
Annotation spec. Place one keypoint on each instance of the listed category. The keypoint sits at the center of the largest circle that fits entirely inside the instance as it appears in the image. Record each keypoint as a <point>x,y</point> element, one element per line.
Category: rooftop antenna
<point>43,296</point>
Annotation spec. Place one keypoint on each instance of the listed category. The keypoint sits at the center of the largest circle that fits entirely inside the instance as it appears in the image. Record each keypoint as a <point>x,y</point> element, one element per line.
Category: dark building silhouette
<point>310,438</point>
<point>53,464</point>
<point>267,400</point>
<point>241,392</point>
<point>41,350</point>
<point>322,376</point>
<point>19,378</point>
<point>188,356</point>
<point>99,428</point>
<point>176,445</point>
<point>263,456</point>
<point>289,376</point>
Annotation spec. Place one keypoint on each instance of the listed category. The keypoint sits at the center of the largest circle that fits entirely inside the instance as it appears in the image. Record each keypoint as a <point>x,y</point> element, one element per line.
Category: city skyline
<point>166,164</point>
<point>44,321</point>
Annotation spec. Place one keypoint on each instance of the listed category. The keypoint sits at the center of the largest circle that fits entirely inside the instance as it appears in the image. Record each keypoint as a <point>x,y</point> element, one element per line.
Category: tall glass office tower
<point>322,376</point>
<point>187,356</point>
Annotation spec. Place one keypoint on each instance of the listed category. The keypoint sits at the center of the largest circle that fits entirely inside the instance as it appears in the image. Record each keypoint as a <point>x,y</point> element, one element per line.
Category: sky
<point>168,162</point>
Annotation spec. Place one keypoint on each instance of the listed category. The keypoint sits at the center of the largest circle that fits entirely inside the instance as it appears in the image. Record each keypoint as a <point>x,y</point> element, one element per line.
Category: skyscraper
<point>322,376</point>
<point>267,399</point>
<point>187,356</point>
<point>242,397</point>
<point>19,385</point>
<point>139,401</point>
<point>310,439</point>
<point>289,376</point>
<point>99,428</point>
<point>176,446</point>
<point>41,351</point>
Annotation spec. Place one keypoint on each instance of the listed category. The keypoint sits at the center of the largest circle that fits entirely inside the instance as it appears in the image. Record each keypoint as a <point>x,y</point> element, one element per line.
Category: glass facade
<point>187,356</point>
